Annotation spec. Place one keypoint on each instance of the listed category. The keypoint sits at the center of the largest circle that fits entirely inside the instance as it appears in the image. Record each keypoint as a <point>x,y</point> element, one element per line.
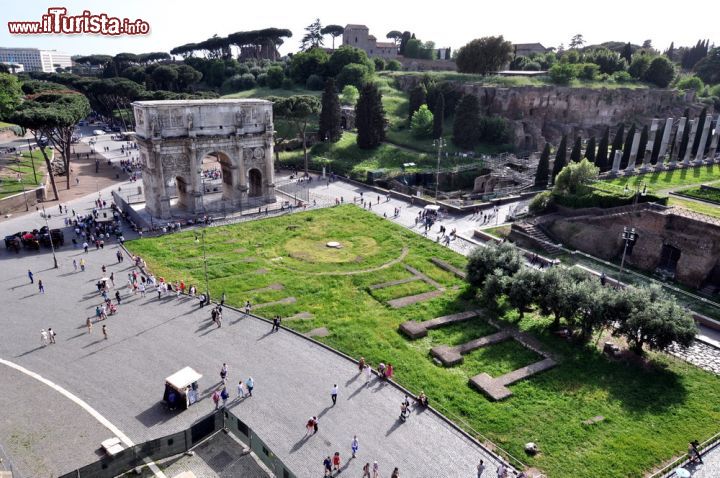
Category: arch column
<point>196,193</point>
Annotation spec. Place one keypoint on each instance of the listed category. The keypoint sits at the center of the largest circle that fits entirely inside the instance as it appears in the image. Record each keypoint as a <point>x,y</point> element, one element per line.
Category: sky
<point>448,23</point>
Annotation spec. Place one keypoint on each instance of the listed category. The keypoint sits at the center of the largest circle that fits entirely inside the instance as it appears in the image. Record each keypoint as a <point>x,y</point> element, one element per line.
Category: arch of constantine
<point>176,137</point>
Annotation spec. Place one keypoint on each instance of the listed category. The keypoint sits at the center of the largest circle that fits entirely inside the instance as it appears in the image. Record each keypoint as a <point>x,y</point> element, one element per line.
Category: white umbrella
<point>104,279</point>
<point>682,473</point>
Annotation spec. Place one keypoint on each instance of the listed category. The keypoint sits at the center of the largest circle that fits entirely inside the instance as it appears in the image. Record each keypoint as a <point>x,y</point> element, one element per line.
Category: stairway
<point>542,240</point>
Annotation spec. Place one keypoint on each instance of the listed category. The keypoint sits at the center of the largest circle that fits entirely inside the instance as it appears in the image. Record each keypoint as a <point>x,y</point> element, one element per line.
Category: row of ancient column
<point>672,160</point>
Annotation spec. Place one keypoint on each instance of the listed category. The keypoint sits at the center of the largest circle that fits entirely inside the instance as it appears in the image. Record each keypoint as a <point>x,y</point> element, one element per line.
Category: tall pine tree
<point>617,142</point>
<point>329,125</point>
<point>627,147</point>
<point>643,144</point>
<point>439,115</point>
<point>466,128</point>
<point>560,159</point>
<point>418,97</point>
<point>590,150</point>
<point>627,53</point>
<point>370,117</point>
<point>543,169</point>
<point>576,153</point>
<point>602,152</point>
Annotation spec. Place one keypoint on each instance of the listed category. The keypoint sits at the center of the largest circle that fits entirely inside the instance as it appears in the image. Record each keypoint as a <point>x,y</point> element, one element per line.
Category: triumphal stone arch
<point>175,136</point>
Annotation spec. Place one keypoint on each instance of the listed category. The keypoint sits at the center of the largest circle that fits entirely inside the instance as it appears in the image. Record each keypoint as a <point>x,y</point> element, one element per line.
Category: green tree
<point>370,117</point>
<point>484,55</point>
<point>575,177</point>
<point>577,41</point>
<point>347,55</point>
<point>395,36</point>
<point>654,320</point>
<point>523,289</point>
<point>421,123</point>
<point>590,150</point>
<point>690,83</point>
<point>438,116</point>
<point>275,77</point>
<point>298,109</point>
<point>627,147</point>
<point>627,52</point>
<point>313,37</point>
<point>10,94</point>
<point>165,77</point>
<point>560,159</point>
<point>482,261</point>
<point>353,74</point>
<point>661,72</point>
<point>576,153</point>
<point>708,69</point>
<point>379,63</point>
<point>607,60</point>
<point>304,64</point>
<point>466,127</point>
<point>418,97</point>
<point>393,65</point>
<point>562,73</point>
<point>639,66</point>
<point>350,95</point>
<point>543,169</point>
<point>329,125</point>
<point>617,142</point>
<point>334,31</point>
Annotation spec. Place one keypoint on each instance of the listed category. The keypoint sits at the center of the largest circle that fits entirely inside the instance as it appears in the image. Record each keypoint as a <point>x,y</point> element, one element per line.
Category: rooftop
<point>356,27</point>
<point>218,101</point>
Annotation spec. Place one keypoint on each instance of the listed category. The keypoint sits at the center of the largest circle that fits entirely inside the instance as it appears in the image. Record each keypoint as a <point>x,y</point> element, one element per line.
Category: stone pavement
<point>149,339</point>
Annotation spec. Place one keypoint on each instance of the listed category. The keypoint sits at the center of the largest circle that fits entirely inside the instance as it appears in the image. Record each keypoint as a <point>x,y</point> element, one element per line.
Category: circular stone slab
<point>334,244</point>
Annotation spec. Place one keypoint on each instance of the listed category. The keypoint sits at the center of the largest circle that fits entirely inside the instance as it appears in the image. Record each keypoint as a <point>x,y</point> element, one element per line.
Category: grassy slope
<point>263,92</point>
<point>651,413</point>
<point>10,185</point>
<point>663,180</point>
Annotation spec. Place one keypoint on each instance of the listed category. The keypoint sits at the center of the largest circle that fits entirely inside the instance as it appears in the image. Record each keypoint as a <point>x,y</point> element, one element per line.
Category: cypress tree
<point>627,147</point>
<point>329,124</point>
<point>575,154</point>
<point>543,169</point>
<point>560,158</point>
<point>466,128</point>
<point>627,53</point>
<point>602,153</point>
<point>418,97</point>
<point>370,117</point>
<point>617,143</point>
<point>656,147</point>
<point>590,150</point>
<point>642,145</point>
<point>698,133</point>
<point>439,116</point>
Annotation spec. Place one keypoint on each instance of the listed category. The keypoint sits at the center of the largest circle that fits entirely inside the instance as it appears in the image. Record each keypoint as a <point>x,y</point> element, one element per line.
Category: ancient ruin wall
<point>699,242</point>
<point>544,113</point>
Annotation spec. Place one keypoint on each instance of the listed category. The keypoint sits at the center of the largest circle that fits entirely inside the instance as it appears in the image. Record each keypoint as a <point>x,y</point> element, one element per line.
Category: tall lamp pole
<point>52,246</point>
<point>32,160</point>
<point>629,234</point>
<point>207,284</point>
<point>439,144</point>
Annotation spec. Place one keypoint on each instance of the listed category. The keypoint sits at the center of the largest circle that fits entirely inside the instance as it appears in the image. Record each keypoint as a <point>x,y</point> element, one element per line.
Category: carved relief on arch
<point>175,163</point>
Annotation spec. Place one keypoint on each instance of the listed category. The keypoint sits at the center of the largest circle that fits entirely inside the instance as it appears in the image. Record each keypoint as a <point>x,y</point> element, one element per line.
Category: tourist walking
<point>43,337</point>
<point>75,265</point>
<point>250,384</point>
<point>104,331</point>
<point>368,373</point>
<point>248,307</point>
<point>117,296</point>
<point>82,265</point>
<point>240,389</point>
<point>395,473</point>
<point>327,464</point>
<point>30,276</point>
<point>309,426</point>
<point>501,471</point>
<point>336,462</point>
<point>376,470</point>
<point>315,424</point>
<point>41,287</point>
<point>366,470</point>
<point>334,394</point>
<point>480,468</point>
<point>361,364</point>
<point>216,398</point>
<point>224,395</point>
<point>354,446</point>
<point>223,372</point>
<point>51,335</point>
<point>88,324</point>
<point>276,323</point>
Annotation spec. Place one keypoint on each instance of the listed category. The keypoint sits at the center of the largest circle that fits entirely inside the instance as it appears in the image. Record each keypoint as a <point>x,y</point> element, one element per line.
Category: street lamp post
<point>52,246</point>
<point>629,234</point>
<point>207,284</point>
<point>439,144</point>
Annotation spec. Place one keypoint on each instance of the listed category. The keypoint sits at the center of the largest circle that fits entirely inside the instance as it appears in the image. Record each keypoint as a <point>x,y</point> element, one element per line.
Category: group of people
<point>244,389</point>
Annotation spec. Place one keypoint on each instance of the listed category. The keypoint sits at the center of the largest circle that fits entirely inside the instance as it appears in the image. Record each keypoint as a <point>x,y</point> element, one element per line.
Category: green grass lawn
<point>263,92</point>
<point>699,207</point>
<point>651,411</point>
<point>9,183</point>
<point>712,195</point>
<point>663,180</point>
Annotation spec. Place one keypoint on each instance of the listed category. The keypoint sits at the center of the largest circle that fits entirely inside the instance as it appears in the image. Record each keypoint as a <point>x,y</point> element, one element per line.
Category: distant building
<point>359,37</point>
<point>14,67</point>
<point>526,49</point>
<point>443,53</point>
<point>33,59</point>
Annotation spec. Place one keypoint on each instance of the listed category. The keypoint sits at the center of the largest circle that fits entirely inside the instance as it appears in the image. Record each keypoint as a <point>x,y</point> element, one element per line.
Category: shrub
<point>541,203</point>
<point>494,130</point>
<point>350,95</point>
<point>262,79</point>
<point>575,177</point>
<point>239,83</point>
<point>393,65</point>
<point>287,84</point>
<point>315,83</point>
<point>562,73</point>
<point>353,74</point>
<point>275,77</point>
<point>379,63</point>
<point>690,83</point>
<point>587,71</point>
<point>602,199</point>
<point>255,70</point>
<point>421,123</point>
<point>622,77</point>
<point>661,72</point>
<point>640,64</point>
